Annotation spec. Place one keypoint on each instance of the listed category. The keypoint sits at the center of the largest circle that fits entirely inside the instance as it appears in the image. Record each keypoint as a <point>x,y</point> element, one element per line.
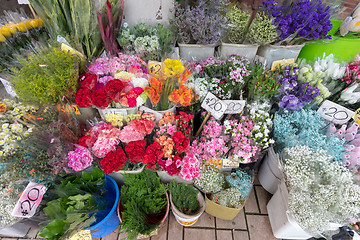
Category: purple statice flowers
<point>293,96</point>
<point>302,20</point>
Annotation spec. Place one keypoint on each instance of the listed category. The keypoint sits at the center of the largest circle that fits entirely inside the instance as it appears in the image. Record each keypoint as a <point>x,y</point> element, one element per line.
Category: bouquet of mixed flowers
<point>350,95</point>
<point>224,78</point>
<point>120,80</point>
<point>325,74</point>
<point>173,136</point>
<point>294,95</point>
<point>167,85</point>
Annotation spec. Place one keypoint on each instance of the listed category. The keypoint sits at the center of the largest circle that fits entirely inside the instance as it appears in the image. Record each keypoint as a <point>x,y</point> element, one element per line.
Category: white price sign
<point>29,200</point>
<point>228,163</point>
<point>234,106</point>
<point>214,105</point>
<point>334,112</point>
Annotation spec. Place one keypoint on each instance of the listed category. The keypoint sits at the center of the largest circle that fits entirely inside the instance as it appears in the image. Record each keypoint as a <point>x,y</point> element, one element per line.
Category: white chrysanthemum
<point>139,82</point>
<point>5,125</point>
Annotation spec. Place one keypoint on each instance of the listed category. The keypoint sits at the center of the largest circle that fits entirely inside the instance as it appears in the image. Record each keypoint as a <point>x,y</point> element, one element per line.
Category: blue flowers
<point>292,94</point>
<point>302,20</point>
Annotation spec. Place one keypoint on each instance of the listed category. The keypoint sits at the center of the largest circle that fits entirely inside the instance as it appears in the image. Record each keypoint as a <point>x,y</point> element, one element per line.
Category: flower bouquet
<point>199,28</point>
<point>301,21</point>
<point>167,85</point>
<point>173,136</point>
<point>117,81</point>
<point>244,33</point>
<point>223,78</point>
<point>322,193</point>
<point>147,42</point>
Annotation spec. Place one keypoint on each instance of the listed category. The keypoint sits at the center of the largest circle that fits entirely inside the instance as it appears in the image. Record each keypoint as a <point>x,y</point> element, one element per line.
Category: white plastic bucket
<point>270,174</point>
<point>188,220</point>
<point>246,50</point>
<point>196,52</point>
<point>275,52</point>
<point>282,222</point>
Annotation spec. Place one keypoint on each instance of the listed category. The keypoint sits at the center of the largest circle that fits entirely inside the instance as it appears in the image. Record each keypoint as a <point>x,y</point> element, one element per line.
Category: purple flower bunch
<point>294,96</point>
<point>302,20</point>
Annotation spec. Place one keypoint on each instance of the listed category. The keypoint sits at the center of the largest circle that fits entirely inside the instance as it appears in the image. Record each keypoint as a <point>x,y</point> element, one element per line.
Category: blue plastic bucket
<point>107,220</point>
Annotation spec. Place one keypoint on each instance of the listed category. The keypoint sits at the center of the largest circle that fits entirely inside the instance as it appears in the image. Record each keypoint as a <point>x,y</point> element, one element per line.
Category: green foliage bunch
<point>144,201</point>
<point>47,77</point>
<point>184,197</point>
<point>238,21</point>
<point>260,31</point>
<point>73,209</point>
<point>148,42</point>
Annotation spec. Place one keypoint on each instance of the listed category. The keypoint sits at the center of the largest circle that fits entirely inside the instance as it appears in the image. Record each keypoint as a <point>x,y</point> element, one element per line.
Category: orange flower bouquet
<point>167,87</point>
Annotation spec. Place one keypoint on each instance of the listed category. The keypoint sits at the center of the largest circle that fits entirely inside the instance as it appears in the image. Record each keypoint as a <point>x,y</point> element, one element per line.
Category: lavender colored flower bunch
<point>302,20</point>
<point>292,94</point>
<point>200,24</point>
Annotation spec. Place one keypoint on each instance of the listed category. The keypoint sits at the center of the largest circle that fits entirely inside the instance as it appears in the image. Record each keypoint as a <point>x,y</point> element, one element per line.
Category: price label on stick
<point>334,112</point>
<point>29,200</point>
<point>234,106</point>
<point>214,105</point>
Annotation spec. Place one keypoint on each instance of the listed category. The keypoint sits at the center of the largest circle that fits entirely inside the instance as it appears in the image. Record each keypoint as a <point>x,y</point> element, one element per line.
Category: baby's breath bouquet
<point>9,195</point>
<point>322,193</point>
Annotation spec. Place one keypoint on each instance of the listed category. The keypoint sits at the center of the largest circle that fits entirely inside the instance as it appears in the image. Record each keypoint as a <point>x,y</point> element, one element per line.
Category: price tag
<point>155,68</point>
<point>82,235</point>
<point>228,163</point>
<point>279,63</point>
<point>214,105</point>
<point>29,200</point>
<point>335,113</point>
<point>260,59</point>
<point>76,109</point>
<point>234,106</point>
<point>356,117</point>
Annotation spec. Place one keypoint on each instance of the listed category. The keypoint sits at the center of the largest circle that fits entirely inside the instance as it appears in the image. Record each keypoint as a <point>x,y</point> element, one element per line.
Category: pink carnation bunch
<point>103,146</point>
<point>190,167</point>
<point>136,130</point>
<point>80,158</point>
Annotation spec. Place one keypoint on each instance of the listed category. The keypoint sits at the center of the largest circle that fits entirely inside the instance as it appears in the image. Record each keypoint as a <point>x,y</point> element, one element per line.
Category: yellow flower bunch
<point>23,26</point>
<point>172,67</point>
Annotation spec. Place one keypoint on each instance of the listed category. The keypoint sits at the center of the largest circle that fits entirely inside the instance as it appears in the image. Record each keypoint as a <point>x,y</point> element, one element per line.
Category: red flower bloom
<point>153,153</point>
<point>100,98</point>
<point>135,150</point>
<point>87,141</point>
<point>114,89</point>
<point>131,102</point>
<point>113,161</point>
<point>88,81</point>
<point>138,90</point>
<point>82,98</point>
<point>142,125</point>
<point>182,143</point>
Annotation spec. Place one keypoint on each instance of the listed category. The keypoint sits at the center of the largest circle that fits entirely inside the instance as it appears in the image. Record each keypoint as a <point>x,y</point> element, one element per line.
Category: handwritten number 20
<point>215,105</point>
<point>337,115</point>
<point>30,198</point>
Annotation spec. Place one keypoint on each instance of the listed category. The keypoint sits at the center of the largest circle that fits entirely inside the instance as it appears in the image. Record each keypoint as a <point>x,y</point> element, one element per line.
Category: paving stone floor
<point>252,223</point>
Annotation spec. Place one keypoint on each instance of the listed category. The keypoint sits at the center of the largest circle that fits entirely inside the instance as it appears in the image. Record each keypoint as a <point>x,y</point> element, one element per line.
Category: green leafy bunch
<point>46,78</point>
<point>74,210</point>
<point>184,197</point>
<point>149,42</point>
<point>144,201</point>
<point>238,21</point>
<point>262,83</point>
<point>261,30</point>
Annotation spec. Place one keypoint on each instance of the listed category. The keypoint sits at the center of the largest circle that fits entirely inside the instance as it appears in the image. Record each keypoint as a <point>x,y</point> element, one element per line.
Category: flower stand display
<point>282,222</point>
<point>270,174</point>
